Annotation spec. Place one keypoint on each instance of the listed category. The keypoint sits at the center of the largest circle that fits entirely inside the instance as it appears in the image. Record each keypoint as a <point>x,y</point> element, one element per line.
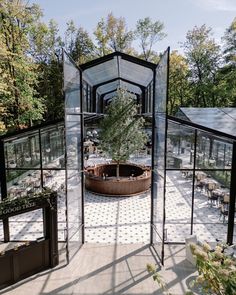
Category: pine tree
<point>121,130</point>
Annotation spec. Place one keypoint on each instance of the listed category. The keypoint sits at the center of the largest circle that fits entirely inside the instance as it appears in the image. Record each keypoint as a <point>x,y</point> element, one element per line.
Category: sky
<point>178,16</point>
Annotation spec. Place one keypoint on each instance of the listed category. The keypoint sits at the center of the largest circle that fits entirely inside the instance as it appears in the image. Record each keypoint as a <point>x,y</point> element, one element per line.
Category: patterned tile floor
<point>117,219</point>
<point>206,222</point>
<point>127,219</point>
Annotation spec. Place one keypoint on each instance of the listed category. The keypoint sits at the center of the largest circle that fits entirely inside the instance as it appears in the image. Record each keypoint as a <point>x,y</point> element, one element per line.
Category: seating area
<point>215,192</point>
<point>110,220</point>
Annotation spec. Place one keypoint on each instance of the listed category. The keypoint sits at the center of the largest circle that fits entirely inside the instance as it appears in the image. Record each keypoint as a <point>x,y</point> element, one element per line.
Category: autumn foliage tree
<point>18,71</point>
<point>31,74</point>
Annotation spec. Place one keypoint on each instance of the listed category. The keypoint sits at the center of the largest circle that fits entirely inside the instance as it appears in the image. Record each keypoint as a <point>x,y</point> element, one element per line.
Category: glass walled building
<point>193,155</point>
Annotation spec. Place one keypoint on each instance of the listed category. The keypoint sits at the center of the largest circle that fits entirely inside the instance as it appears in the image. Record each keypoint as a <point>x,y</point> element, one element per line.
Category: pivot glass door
<point>74,159</point>
<point>159,155</point>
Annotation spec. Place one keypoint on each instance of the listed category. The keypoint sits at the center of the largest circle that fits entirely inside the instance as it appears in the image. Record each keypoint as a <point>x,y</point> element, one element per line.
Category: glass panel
<point>212,152</point>
<point>27,226</point>
<point>234,234</point>
<point>1,231</point>
<point>118,83</point>
<point>102,72</point>
<point>219,119</point>
<point>108,87</point>
<point>23,152</point>
<point>52,141</point>
<point>158,184</point>
<point>23,182</point>
<point>180,146</point>
<point>74,181</point>
<point>211,202</point>
<point>135,72</point>
<point>178,205</point>
<point>118,67</point>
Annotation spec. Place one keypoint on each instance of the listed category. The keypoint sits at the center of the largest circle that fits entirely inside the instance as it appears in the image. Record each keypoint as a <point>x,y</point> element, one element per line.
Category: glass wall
<point>198,184</point>
<point>1,231</point>
<point>159,155</point>
<point>27,226</point>
<point>74,123</point>
<point>36,160</point>
<point>178,206</point>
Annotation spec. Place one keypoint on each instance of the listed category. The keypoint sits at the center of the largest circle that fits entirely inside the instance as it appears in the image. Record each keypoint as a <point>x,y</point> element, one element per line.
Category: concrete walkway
<point>111,269</point>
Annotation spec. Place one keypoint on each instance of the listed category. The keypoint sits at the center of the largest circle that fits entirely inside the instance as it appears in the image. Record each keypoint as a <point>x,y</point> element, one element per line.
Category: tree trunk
<point>117,170</point>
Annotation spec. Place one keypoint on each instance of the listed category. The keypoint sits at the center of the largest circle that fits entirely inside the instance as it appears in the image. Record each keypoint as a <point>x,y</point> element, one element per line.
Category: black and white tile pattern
<point>127,219</point>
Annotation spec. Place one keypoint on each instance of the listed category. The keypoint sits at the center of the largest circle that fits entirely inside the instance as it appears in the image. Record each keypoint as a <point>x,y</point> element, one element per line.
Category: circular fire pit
<point>102,179</point>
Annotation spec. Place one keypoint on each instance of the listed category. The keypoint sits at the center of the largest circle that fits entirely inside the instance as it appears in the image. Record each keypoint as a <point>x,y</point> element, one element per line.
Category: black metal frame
<point>123,55</point>
<point>81,115</point>
<point>36,131</point>
<point>153,157</point>
<point>227,138</point>
<point>196,127</point>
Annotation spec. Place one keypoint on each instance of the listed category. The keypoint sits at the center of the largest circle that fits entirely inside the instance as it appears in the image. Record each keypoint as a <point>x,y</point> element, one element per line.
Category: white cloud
<point>221,5</point>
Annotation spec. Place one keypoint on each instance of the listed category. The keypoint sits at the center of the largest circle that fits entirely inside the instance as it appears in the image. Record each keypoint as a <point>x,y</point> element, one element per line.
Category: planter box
<point>24,262</point>
<point>102,180</point>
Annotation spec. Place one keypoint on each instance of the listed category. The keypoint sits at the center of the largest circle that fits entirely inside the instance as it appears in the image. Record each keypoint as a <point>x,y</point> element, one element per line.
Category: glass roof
<point>108,87</point>
<point>118,67</point>
<point>220,119</point>
<point>134,72</point>
<point>103,72</point>
<point>110,95</point>
<point>118,83</point>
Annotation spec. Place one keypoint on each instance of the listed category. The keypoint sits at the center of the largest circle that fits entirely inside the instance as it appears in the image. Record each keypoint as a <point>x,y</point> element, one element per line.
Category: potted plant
<point>121,130</point>
<point>121,135</point>
<point>217,269</point>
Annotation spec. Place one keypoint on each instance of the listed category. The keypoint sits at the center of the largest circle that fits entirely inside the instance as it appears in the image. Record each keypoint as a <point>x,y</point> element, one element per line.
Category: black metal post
<point>232,198</point>
<point>3,181</point>
<point>40,158</point>
<point>193,183</point>
<point>82,155</point>
<point>94,99</point>
<point>143,101</point>
<point>153,152</point>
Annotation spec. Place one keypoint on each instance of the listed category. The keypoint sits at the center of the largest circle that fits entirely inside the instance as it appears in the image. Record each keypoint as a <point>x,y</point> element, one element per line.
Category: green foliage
<point>46,51</point>
<point>78,44</point>
<point>31,78</point>
<point>203,57</point>
<point>179,86</point>
<point>121,130</point>
<point>113,35</point>
<point>227,75</point>
<point>217,272</point>
<point>230,43</point>
<point>157,278</point>
<point>25,200</point>
<point>148,33</point>
<point>19,72</point>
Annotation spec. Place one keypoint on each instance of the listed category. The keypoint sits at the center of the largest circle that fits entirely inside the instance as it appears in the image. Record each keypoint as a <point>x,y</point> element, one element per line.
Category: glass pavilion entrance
<point>88,90</point>
<point>192,165</point>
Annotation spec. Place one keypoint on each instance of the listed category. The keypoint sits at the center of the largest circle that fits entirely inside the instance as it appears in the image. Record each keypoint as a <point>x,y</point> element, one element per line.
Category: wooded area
<point>31,62</point>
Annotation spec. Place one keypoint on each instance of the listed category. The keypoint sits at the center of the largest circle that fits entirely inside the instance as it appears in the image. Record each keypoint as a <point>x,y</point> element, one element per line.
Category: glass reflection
<point>212,152</point>
<point>23,152</point>
<point>180,146</point>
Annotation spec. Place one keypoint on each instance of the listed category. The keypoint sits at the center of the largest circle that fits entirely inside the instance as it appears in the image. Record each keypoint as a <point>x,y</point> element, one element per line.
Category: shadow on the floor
<point>123,287</point>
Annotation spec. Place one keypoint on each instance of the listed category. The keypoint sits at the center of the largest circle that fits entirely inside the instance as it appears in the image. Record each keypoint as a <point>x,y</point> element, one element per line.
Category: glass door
<point>74,156</point>
<point>159,155</point>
